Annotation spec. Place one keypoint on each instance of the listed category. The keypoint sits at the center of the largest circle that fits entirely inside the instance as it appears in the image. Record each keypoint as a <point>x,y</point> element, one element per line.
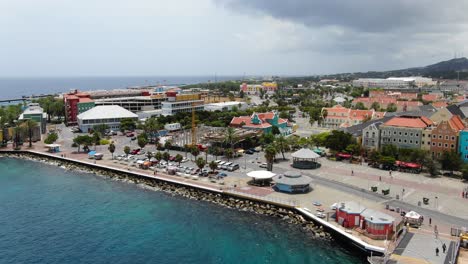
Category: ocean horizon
<point>16,87</point>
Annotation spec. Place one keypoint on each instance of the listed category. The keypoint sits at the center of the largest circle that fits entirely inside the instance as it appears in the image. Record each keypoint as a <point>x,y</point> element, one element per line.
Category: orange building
<point>444,136</point>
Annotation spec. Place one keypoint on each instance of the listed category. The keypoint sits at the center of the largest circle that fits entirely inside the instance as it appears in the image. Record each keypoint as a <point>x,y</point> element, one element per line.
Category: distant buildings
<point>36,113</point>
<point>394,82</point>
<point>109,115</point>
<point>179,103</point>
<point>263,122</point>
<point>267,87</point>
<point>135,103</point>
<point>225,106</point>
<point>75,103</point>
<point>339,116</point>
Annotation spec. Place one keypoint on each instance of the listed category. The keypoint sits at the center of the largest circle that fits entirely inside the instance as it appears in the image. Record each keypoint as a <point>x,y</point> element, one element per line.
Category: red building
<point>348,214</point>
<point>370,222</point>
<point>377,224</point>
<point>71,101</point>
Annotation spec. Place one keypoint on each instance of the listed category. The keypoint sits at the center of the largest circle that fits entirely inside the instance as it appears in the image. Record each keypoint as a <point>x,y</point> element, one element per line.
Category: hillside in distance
<point>443,70</point>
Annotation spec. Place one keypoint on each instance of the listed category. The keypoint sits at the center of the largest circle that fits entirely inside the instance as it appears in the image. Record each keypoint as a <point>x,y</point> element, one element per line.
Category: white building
<point>110,115</point>
<point>171,108</point>
<point>172,127</point>
<point>134,103</point>
<point>226,106</point>
<point>394,82</point>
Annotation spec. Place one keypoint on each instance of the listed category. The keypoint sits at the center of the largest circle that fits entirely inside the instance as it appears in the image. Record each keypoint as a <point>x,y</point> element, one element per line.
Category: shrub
<point>104,142</point>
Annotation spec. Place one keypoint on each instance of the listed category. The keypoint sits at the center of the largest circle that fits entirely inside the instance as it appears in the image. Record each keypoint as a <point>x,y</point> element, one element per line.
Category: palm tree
<point>270,154</point>
<point>151,126</point>
<point>213,165</point>
<point>282,145</point>
<point>230,137</point>
<point>30,125</point>
<point>112,149</point>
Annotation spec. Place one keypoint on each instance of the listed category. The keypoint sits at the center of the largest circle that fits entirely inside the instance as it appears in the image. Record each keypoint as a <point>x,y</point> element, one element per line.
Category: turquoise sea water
<point>49,215</point>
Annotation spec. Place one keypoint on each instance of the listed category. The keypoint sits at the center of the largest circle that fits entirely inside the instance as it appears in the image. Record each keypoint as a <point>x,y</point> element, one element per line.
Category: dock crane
<point>194,127</point>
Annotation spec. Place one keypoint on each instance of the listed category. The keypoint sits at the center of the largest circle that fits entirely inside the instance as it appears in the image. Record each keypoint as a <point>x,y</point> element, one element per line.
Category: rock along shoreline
<point>285,213</point>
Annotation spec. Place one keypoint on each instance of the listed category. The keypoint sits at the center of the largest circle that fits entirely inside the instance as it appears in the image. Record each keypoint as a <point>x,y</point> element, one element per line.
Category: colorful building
<point>262,121</point>
<point>404,131</point>
<point>268,87</point>
<point>463,145</point>
<point>72,108</point>
<point>444,137</point>
<point>339,116</point>
<point>348,214</point>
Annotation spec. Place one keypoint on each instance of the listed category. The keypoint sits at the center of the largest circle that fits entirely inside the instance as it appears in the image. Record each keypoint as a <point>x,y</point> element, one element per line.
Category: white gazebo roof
<point>52,145</point>
<point>305,153</point>
<point>412,214</point>
<point>261,175</point>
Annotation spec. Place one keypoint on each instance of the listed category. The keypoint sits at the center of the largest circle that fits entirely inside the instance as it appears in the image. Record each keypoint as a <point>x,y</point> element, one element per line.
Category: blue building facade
<point>463,145</point>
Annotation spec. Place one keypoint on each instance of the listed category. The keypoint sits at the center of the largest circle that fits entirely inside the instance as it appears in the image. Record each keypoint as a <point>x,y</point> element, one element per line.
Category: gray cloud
<point>361,15</point>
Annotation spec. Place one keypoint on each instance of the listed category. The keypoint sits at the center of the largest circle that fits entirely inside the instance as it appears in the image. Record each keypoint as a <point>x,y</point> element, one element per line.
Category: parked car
<point>184,160</point>
<point>172,158</point>
<point>130,134</point>
<point>321,215</point>
<point>222,174</point>
<point>135,152</point>
<point>317,203</point>
<point>249,152</point>
<point>233,167</point>
<point>263,165</point>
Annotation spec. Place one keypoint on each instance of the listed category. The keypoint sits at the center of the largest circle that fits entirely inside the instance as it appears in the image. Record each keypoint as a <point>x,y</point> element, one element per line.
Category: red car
<point>171,158</point>
<point>135,151</point>
<point>130,134</point>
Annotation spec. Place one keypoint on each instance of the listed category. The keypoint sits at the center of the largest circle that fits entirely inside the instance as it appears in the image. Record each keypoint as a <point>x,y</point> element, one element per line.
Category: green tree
<point>158,156</point>
<point>450,161</point>
<point>282,145</point>
<point>51,138</point>
<point>230,137</point>
<point>178,158</point>
<point>84,140</point>
<point>213,166</point>
<point>126,150</point>
<point>142,141</point>
<point>127,124</point>
<point>391,107</point>
<point>101,128</point>
<point>30,125</point>
<point>96,137</point>
<point>270,154</point>
<point>166,156</point>
<point>390,150</point>
<point>168,144</point>
<point>360,106</point>
<point>200,163</point>
<point>112,149</point>
<point>194,151</point>
<point>229,153</point>
<point>375,106</point>
<point>151,127</point>
<point>338,140</point>
<point>464,170</point>
<point>275,130</point>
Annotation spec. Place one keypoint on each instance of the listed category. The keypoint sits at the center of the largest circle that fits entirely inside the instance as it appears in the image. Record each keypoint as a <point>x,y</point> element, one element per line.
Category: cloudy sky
<point>226,37</point>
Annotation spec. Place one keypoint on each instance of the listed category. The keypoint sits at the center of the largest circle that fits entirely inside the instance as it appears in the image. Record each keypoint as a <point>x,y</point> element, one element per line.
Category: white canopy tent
<point>261,175</point>
<point>413,218</point>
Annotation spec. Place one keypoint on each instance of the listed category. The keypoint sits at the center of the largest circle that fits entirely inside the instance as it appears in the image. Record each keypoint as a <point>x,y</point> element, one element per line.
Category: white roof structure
<point>339,100</point>
<point>305,153</point>
<point>413,215</point>
<point>106,112</point>
<point>261,175</point>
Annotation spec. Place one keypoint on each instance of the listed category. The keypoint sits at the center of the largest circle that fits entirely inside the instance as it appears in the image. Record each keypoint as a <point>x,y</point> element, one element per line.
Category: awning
<point>261,175</point>
<point>412,215</point>
<point>343,155</point>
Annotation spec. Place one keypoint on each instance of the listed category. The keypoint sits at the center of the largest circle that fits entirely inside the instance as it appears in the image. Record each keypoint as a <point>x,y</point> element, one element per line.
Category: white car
<point>334,206</point>
<point>184,160</point>
<point>263,165</point>
<point>321,215</point>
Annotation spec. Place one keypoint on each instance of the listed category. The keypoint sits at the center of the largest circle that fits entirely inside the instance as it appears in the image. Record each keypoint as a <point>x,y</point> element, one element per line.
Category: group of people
<point>444,248</point>
<point>465,193</point>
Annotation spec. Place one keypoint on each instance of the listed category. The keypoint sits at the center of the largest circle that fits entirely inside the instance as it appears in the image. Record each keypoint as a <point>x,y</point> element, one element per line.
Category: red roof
<point>360,114</point>
<point>430,97</point>
<point>247,120</point>
<point>413,122</point>
<point>456,123</point>
<point>409,96</point>
<point>86,100</point>
<point>439,104</point>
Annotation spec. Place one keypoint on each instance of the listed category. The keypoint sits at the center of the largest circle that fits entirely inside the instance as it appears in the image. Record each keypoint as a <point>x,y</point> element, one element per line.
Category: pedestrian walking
<point>444,248</point>
<point>437,251</point>
<point>463,194</point>
<point>380,178</point>
<point>390,173</point>
<point>430,221</point>
<point>352,173</point>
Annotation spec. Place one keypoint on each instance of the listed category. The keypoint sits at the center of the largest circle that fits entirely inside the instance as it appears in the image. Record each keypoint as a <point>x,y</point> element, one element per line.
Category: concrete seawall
<point>317,227</point>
